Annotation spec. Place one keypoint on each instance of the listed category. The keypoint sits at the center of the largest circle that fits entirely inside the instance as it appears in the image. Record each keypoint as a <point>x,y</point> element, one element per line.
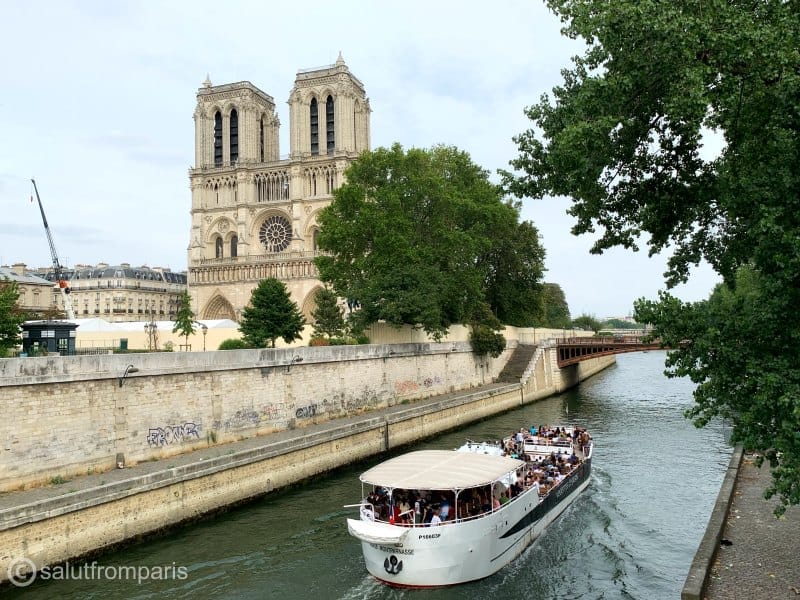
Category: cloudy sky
<point>98,101</point>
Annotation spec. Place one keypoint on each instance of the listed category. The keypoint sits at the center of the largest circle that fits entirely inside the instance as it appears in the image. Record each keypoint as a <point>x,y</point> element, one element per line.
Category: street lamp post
<point>204,327</point>
<point>152,335</point>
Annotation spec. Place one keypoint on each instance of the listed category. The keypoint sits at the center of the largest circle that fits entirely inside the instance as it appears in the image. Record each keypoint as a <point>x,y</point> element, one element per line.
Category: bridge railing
<point>594,341</point>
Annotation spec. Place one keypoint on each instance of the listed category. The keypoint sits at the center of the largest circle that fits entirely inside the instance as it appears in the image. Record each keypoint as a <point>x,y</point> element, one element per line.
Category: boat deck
<point>549,457</point>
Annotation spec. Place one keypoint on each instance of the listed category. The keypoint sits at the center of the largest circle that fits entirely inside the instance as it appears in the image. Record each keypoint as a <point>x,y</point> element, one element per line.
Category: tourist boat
<point>480,535</point>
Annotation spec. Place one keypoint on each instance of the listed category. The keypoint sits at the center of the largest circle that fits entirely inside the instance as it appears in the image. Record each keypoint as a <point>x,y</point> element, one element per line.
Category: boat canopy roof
<point>440,470</point>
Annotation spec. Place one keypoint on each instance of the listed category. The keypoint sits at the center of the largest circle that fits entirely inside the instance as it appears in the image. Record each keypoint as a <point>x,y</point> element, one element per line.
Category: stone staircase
<point>517,364</point>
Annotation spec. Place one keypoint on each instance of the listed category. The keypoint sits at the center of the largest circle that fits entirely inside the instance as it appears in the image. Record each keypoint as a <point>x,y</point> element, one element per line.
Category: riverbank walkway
<point>18,507</point>
<point>758,555</point>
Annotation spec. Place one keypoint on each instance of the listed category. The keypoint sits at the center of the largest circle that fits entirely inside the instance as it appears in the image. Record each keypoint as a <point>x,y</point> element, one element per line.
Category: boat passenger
<point>584,440</point>
<point>486,503</point>
<point>519,437</point>
<point>444,504</point>
<point>515,489</point>
<point>402,503</point>
<point>435,518</point>
<point>428,513</point>
<point>419,511</point>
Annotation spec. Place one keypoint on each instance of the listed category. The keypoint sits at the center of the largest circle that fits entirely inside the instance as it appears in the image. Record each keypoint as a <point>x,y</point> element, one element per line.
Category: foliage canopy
<point>271,314</point>
<point>555,310</point>
<point>484,336</point>
<point>625,137</point>
<point>422,237</point>
<point>587,322</point>
<point>10,316</point>
<point>233,344</point>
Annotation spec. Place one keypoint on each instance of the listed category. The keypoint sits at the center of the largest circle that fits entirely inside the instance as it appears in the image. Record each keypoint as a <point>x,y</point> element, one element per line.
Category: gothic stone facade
<point>254,215</point>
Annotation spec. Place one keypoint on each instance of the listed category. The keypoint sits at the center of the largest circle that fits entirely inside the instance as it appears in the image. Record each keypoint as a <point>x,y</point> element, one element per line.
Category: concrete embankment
<point>54,523</point>
<point>697,578</point>
<point>746,552</point>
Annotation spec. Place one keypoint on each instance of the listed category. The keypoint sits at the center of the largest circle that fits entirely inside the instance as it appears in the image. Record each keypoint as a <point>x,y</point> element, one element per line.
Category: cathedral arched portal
<point>219,308</point>
<point>310,304</point>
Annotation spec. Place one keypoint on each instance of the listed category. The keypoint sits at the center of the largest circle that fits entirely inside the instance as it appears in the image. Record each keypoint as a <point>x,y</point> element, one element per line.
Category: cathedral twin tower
<point>254,215</point>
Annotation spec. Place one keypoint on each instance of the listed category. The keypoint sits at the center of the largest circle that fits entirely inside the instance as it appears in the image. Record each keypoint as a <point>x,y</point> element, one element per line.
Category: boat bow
<point>377,533</point>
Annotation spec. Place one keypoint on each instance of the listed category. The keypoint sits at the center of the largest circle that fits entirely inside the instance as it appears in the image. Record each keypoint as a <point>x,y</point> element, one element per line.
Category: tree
<point>624,138</point>
<point>10,316</point>
<point>328,319</point>
<point>233,344</point>
<point>515,266</point>
<point>555,307</point>
<point>417,238</point>
<point>484,335</point>
<point>184,320</point>
<point>620,324</point>
<point>587,322</point>
<point>271,315</point>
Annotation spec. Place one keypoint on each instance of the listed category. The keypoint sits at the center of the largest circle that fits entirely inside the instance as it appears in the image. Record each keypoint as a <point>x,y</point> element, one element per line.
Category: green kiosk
<point>50,337</point>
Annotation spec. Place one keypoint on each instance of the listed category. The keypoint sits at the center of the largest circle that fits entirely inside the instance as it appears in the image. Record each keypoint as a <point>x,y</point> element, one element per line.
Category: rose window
<point>275,234</point>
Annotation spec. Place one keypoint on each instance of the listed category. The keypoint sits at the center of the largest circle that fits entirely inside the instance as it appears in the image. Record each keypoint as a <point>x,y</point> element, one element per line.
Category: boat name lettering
<point>566,486</point>
<point>429,536</point>
<point>393,550</point>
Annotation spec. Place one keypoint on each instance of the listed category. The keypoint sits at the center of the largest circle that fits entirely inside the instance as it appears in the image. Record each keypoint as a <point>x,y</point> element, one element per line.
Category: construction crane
<point>58,270</point>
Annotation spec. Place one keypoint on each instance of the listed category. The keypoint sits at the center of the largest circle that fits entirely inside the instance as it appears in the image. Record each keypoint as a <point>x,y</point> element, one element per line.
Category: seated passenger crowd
<point>542,470</point>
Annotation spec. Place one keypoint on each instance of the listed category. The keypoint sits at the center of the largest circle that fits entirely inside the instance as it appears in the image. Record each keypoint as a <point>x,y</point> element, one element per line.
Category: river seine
<point>631,534</point>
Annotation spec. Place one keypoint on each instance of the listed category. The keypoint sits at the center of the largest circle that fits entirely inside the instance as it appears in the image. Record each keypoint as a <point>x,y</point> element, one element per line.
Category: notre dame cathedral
<point>254,214</point>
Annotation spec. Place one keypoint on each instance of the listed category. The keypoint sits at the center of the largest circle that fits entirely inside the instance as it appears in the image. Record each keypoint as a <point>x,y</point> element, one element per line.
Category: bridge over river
<point>573,350</point>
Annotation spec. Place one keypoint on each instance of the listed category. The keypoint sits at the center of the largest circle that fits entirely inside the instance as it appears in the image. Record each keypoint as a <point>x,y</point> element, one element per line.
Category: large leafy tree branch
<point>624,136</point>
<point>624,133</point>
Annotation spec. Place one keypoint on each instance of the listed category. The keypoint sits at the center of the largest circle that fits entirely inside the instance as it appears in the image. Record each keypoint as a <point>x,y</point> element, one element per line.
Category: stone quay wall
<point>62,526</point>
<point>73,415</point>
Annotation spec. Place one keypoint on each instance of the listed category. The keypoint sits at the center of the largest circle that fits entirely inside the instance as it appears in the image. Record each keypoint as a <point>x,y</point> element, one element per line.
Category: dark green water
<point>632,534</point>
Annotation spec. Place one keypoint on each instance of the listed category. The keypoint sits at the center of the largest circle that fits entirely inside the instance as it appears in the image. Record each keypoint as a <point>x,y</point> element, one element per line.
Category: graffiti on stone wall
<point>172,434</point>
<point>367,399</point>
<point>252,417</point>
<point>431,381</point>
<point>306,412</point>
<point>339,405</point>
<point>407,386</point>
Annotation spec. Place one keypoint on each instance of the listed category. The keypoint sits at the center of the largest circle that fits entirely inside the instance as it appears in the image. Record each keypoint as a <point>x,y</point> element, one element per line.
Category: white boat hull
<point>457,552</point>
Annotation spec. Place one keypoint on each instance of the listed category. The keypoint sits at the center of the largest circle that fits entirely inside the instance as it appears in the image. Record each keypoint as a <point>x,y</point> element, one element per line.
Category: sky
<point>99,96</point>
